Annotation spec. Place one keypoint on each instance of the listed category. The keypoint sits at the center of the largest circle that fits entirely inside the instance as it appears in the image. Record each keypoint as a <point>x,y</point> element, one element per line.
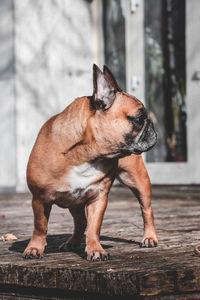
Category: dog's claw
<point>148,243</point>
<point>32,253</point>
<point>98,256</point>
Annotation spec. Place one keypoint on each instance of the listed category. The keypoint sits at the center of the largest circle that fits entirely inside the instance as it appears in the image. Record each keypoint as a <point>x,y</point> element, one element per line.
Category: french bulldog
<point>76,157</point>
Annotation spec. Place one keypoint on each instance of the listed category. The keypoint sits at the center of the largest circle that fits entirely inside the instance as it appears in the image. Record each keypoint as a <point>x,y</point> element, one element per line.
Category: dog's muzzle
<point>145,139</point>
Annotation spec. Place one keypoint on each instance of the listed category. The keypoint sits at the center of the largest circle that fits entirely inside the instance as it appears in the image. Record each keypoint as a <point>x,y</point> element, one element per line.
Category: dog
<point>76,157</point>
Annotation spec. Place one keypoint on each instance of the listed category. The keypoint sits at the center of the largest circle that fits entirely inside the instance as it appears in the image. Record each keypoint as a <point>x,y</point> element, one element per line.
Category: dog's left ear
<point>111,79</point>
<point>104,93</point>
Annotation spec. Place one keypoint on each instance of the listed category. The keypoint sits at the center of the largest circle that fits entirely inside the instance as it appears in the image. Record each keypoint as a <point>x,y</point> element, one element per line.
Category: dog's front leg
<point>133,174</point>
<point>95,212</point>
<point>37,243</point>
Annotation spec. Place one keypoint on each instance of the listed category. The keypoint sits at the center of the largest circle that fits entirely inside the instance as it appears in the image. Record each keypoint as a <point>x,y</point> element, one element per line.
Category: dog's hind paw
<point>197,250</point>
<point>70,246</point>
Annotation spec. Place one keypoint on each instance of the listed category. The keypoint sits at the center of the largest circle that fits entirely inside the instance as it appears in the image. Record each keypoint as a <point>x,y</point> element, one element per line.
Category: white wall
<point>53,65</point>
<point>7,100</point>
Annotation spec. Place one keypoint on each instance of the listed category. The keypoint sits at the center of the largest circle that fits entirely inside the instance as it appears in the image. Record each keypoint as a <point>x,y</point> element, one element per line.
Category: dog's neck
<point>74,122</point>
<point>78,141</point>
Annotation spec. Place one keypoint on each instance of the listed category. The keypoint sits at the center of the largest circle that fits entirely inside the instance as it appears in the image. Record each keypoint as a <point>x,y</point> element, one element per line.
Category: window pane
<point>165,77</point>
<point>114,39</point>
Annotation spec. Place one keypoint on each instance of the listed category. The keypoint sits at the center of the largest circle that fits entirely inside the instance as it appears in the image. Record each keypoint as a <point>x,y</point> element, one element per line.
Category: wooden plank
<point>171,269</point>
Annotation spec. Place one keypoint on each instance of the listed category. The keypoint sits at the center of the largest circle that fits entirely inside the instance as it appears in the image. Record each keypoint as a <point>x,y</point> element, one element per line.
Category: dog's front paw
<point>197,250</point>
<point>32,252</point>
<point>149,242</point>
<point>97,255</point>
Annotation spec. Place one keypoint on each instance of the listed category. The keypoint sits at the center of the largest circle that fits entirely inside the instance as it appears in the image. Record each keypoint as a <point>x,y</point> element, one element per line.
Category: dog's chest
<point>85,177</point>
<point>84,183</point>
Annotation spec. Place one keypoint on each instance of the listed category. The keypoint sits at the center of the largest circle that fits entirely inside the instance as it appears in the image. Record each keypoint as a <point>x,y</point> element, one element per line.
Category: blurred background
<point>47,49</point>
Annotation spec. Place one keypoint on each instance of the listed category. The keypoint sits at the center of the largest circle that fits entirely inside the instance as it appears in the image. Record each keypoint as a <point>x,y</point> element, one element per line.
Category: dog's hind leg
<point>80,222</point>
<point>37,243</point>
<point>133,174</point>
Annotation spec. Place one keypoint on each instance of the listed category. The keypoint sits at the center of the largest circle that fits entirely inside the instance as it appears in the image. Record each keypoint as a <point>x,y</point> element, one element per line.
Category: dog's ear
<point>103,93</point>
<point>111,79</point>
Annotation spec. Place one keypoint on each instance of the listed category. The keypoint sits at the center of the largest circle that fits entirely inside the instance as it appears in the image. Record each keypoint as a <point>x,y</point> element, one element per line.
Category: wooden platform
<point>170,271</point>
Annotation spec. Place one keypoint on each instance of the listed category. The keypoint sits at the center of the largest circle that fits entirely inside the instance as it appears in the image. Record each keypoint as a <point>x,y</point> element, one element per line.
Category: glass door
<point>172,89</point>
<point>159,42</point>
<point>165,77</point>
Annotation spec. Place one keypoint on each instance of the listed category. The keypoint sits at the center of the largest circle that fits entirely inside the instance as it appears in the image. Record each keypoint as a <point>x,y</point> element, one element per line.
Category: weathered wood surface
<point>170,271</point>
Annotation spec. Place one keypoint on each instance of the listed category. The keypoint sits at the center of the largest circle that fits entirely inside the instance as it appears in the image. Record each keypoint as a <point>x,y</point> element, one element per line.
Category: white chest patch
<point>82,177</point>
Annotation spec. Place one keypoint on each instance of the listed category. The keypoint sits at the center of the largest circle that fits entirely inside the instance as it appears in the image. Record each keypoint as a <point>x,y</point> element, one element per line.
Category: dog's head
<point>120,124</point>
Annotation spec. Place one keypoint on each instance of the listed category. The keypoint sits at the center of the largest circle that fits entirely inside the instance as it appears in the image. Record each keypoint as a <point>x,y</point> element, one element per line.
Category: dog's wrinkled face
<point>143,132</point>
<point>121,125</point>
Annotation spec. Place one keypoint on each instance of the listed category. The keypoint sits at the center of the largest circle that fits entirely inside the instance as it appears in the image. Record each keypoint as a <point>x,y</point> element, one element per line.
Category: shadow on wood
<point>55,240</point>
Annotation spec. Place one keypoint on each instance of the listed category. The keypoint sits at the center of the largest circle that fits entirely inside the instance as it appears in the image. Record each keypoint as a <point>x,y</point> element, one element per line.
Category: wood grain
<point>170,271</point>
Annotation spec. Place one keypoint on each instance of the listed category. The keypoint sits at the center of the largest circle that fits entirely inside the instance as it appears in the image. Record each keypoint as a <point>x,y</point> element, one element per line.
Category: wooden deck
<point>170,271</point>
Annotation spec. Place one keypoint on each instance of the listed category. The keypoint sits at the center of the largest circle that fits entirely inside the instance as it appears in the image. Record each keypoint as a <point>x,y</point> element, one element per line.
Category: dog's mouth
<point>143,141</point>
<point>135,151</point>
